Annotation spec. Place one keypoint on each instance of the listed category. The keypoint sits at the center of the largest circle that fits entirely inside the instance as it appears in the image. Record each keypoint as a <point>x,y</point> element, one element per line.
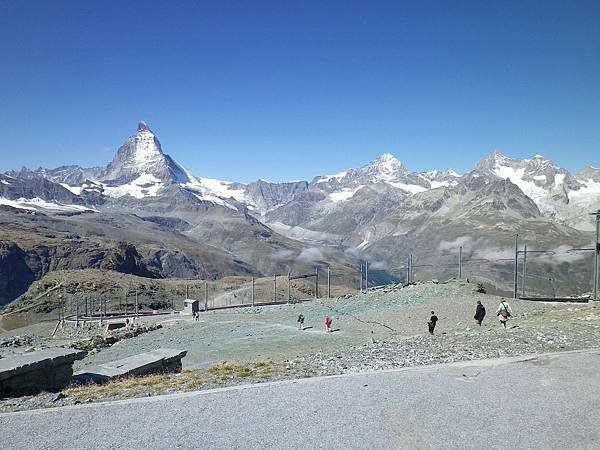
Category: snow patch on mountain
<point>516,176</point>
<point>219,188</point>
<point>343,195</point>
<point>38,204</point>
<point>145,185</point>
<point>74,189</point>
<point>330,177</point>
<point>412,188</point>
<point>207,197</point>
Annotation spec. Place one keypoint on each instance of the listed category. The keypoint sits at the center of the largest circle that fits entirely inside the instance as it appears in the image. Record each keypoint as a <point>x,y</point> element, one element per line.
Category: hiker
<point>479,313</point>
<point>301,322</point>
<point>328,323</point>
<point>504,312</point>
<point>432,321</point>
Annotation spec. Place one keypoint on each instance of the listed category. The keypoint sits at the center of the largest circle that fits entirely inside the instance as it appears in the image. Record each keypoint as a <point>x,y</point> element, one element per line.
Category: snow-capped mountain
<point>38,194</point>
<point>71,218</point>
<point>141,155</point>
<point>381,209</point>
<point>557,193</point>
<point>385,169</point>
<point>64,175</point>
<point>141,171</point>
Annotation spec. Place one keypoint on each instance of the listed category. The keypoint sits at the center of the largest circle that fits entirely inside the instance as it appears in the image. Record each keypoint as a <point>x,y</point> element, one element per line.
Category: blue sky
<point>282,90</point>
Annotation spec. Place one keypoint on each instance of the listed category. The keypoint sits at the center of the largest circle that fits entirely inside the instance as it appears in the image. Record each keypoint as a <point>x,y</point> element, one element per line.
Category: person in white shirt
<point>504,312</point>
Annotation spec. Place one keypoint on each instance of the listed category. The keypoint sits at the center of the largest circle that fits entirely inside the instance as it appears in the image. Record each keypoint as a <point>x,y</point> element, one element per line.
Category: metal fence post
<point>206,296</point>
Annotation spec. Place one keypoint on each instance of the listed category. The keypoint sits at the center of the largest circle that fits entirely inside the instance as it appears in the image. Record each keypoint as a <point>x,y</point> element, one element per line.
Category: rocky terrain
<point>384,328</point>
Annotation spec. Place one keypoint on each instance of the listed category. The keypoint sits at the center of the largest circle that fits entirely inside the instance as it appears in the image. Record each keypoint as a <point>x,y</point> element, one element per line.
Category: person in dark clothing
<point>479,313</point>
<point>301,322</point>
<point>432,321</point>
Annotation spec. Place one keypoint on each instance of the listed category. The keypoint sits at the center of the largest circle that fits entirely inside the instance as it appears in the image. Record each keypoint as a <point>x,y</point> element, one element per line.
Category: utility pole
<point>596,253</point>
<point>407,270</point>
<point>516,280</point>
<point>366,275</point>
<point>126,292</point>
<point>137,310</point>
<point>524,270</point>
<point>460,262</point>
<point>361,277</point>
<point>328,282</point>
<point>316,282</point>
<point>77,314</point>
<point>410,267</point>
<point>275,288</point>
<point>206,296</point>
<point>289,300</point>
<point>187,291</point>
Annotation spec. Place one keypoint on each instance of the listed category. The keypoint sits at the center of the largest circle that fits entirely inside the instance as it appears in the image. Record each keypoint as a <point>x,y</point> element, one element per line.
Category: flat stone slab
<point>115,325</point>
<point>156,361</point>
<point>48,369</point>
<point>42,359</point>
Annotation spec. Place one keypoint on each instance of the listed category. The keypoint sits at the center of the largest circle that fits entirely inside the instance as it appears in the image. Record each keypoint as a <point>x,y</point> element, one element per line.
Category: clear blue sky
<point>242,90</point>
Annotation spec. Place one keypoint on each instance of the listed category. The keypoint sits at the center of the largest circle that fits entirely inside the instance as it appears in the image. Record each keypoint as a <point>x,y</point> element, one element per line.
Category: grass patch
<point>187,380</point>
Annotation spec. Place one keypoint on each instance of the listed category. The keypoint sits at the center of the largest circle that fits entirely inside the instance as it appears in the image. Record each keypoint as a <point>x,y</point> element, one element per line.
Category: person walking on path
<point>479,312</point>
<point>504,312</point>
<point>328,323</point>
<point>301,322</point>
<point>432,321</point>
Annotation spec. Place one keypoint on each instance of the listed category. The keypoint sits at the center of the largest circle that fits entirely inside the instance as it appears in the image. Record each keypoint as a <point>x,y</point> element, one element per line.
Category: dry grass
<point>187,380</point>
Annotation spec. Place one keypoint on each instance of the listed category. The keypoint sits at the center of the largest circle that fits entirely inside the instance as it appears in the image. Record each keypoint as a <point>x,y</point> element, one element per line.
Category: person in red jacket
<point>328,323</point>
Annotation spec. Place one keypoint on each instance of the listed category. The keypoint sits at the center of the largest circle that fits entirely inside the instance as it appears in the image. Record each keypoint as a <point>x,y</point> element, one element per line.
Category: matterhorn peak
<point>141,155</point>
<point>143,126</point>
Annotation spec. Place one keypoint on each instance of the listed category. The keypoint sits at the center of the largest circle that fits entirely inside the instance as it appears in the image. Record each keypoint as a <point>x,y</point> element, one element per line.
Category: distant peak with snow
<point>141,155</point>
<point>387,163</point>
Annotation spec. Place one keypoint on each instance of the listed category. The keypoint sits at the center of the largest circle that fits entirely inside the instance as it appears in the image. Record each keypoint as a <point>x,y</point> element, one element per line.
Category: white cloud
<point>283,254</point>
<point>310,254</point>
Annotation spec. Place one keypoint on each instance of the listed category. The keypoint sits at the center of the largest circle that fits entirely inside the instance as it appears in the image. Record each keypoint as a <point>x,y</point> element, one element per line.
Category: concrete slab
<point>156,361</point>
<point>115,325</point>
<point>48,369</point>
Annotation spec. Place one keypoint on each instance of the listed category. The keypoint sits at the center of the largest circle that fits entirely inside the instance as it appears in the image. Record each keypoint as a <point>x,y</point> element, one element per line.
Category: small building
<point>191,306</point>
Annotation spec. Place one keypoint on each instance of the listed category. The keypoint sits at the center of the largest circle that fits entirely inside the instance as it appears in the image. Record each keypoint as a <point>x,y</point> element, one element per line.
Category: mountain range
<point>173,223</point>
